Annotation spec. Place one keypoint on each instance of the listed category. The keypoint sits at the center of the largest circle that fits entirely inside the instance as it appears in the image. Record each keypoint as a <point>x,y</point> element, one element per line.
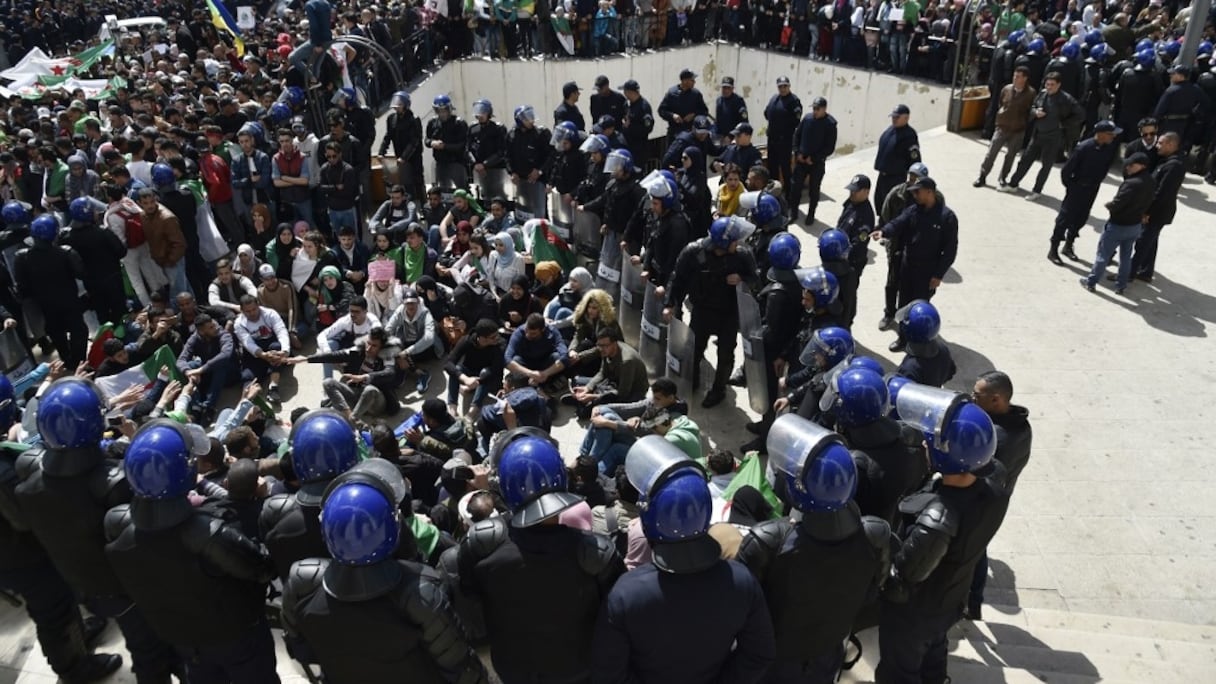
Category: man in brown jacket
<point>1011,120</point>
<point>166,242</point>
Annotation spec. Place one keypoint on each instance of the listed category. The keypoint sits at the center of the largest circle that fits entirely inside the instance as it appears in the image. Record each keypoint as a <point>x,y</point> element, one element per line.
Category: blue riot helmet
<point>820,283</point>
<point>1070,51</point>
<point>254,130</point>
<point>45,228</point>
<point>861,396</point>
<point>668,174</point>
<point>442,102</point>
<point>1144,44</point>
<point>674,504</point>
<point>826,348</point>
<point>595,143</point>
<point>360,524</point>
<point>483,107</point>
<point>960,435</point>
<point>1093,38</point>
<point>15,213</point>
<point>1036,47</point>
<point>401,98</point>
<point>894,384</point>
<point>532,477</point>
<point>295,96</point>
<point>504,439</point>
<point>1171,49</point>
<point>71,414</point>
<point>833,245</point>
<point>1205,48</point>
<point>729,229</point>
<point>162,175</point>
<point>81,210</point>
<point>763,207</point>
<point>918,322</point>
<point>784,252</point>
<point>814,462</point>
<point>1146,58</point>
<point>323,447</point>
<point>1099,53</point>
<point>659,187</point>
<point>346,97</point>
<point>159,463</point>
<point>8,404</point>
<point>562,132</point>
<point>866,362</point>
<point>1016,38</point>
<point>524,114</point>
<point>279,112</point>
<point>619,160</point>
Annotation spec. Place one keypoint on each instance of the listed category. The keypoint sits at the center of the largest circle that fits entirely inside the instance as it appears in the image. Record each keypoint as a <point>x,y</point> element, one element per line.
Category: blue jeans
<point>607,445</point>
<point>434,238</point>
<point>1115,237</point>
<point>340,218</point>
<point>213,382</point>
<point>178,283</point>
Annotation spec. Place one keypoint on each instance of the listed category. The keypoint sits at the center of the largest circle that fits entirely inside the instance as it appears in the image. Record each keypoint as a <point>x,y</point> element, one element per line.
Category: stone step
<point>1040,618</point>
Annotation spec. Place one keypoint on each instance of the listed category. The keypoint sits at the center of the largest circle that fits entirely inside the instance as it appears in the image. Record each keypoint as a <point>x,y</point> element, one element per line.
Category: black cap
<point>631,85</point>
<point>570,87</point>
<point>900,110</point>
<point>728,81</point>
<point>606,121</point>
<point>687,73</point>
<point>601,81</point>
<point>742,128</point>
<point>1181,69</point>
<point>925,183</point>
<point>1136,158</point>
<point>1107,126</point>
<point>819,102</point>
<point>859,182</point>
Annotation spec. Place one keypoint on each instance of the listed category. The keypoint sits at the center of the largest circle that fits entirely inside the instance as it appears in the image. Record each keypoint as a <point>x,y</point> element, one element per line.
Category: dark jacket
<point>339,174</point>
<point>929,238</point>
<point>783,115</point>
<point>1132,200</point>
<point>728,113</point>
<point>1013,439</point>
<point>46,275</point>
<point>100,250</point>
<point>488,145</point>
<point>387,378</point>
<point>1168,176</point>
<point>816,138</point>
<point>404,133</point>
<point>211,352</point>
<point>898,148</point>
<point>528,150</point>
<point>454,133</point>
<point>1088,164</point>
<point>614,103</point>
<point>618,203</point>
<point>678,102</point>
<point>1061,113</point>
<point>890,465</point>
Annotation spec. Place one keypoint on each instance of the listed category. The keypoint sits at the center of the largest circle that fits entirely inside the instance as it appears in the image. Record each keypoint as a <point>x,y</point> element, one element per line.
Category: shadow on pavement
<point>970,364</point>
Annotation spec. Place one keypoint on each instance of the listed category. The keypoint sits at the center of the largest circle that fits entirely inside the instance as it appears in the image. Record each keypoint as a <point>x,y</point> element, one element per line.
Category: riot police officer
<point>101,253</point>
<point>1068,66</point>
<point>566,168</point>
<point>698,137</point>
<point>707,272</point>
<point>741,153</point>
<point>528,150</point>
<point>765,212</point>
<point>783,113</point>
<point>681,104</point>
<point>637,123</point>
<point>898,149</point>
<point>617,204</point>
<point>782,299</point>
<point>487,151</point>
<point>159,544</point>
<point>65,490</point>
<point>814,142</point>
<point>1137,91</point>
<point>1034,59</point>
<point>328,604</point>
<point>447,135</point>
<point>540,583</point>
<point>946,527</point>
<point>659,232</point>
<point>595,178</point>
<point>26,571</point>
<point>834,254</point>
<point>1181,106</point>
<point>806,382</point>
<point>928,360</point>
<point>403,131</point>
<point>889,207</point>
<point>730,110</point>
<point>1095,94</point>
<point>726,638</point>
<point>607,102</point>
<point>56,296</point>
<point>818,571</point>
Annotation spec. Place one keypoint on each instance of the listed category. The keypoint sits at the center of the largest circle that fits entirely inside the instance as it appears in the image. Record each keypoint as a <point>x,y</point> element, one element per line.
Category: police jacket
<point>945,530</point>
<point>569,112</point>
<point>528,149</point>
<point>817,573</point>
<point>404,133</point>
<point>416,637</point>
<point>745,157</point>
<point>1133,199</point>
<point>890,465</point>
<point>728,113</point>
<point>566,170</point>
<point>1088,164</point>
<point>1179,105</point>
<point>488,145</point>
<point>1013,439</point>
<point>783,115</point>
<point>1001,66</point>
<point>541,588</point>
<point>618,204</point>
<point>665,236</point>
<point>664,628</point>
<point>638,121</point>
<point>1095,92</point>
<point>700,274</point>
<point>614,103</point>
<point>675,149</point>
<point>64,495</point>
<point>928,237</point>
<point>857,221</point>
<point>362,124</point>
<point>46,275</point>
<point>19,549</point>
<point>929,363</point>
<point>1168,175</point>
<point>679,102</point>
<point>100,251</point>
<point>1137,92</point>
<point>898,148</point>
<point>594,182</point>
<point>454,133</point>
<point>781,298</point>
<point>224,573</point>
<point>816,138</point>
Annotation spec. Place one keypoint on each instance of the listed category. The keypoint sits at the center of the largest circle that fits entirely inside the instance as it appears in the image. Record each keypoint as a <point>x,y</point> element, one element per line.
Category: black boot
<point>1068,251</point>
<point>1053,254</point>
<point>93,668</point>
<point>737,379</point>
<point>713,397</point>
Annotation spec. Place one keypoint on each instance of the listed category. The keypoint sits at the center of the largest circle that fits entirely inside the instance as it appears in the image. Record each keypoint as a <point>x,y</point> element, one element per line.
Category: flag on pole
<point>223,21</point>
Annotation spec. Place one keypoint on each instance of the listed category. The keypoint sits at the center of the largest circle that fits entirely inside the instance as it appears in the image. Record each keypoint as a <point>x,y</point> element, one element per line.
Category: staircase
<point>1028,645</point>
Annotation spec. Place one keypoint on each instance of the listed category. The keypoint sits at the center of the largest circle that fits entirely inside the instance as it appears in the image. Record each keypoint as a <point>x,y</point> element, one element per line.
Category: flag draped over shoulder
<point>223,21</point>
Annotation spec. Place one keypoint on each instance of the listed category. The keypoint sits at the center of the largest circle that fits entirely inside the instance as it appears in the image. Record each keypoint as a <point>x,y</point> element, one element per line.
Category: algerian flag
<point>94,89</point>
<point>142,375</point>
<point>37,63</point>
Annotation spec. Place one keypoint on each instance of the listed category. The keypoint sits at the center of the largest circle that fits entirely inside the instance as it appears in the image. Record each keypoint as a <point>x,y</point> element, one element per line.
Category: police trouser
<point>884,183</point>
<point>895,260</point>
<point>1074,212</point>
<point>69,334</point>
<point>108,298</point>
<point>247,659</point>
<point>1145,256</point>
<point>451,175</point>
<point>52,607</point>
<point>778,161</point>
<point>817,669</point>
<point>912,645</point>
<point>913,285</point>
<point>813,171</point>
<point>151,659</point>
<point>725,327</point>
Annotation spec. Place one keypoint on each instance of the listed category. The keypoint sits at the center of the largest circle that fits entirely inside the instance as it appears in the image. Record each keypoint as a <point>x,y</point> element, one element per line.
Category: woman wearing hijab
<point>503,264</point>
<point>263,226</point>
<point>695,192</point>
<point>333,296</point>
<point>548,275</point>
<point>281,253</point>
<point>560,310</point>
<point>436,297</point>
<point>515,306</point>
<point>247,264</point>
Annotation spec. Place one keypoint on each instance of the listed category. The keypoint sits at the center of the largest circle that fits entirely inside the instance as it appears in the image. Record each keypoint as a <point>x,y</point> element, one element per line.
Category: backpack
<point>133,226</point>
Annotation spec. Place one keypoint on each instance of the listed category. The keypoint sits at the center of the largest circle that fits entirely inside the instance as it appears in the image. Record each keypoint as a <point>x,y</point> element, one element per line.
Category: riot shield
<point>491,184</point>
<point>652,344</point>
<point>680,343</point>
<point>608,273</point>
<point>751,331</point>
<point>629,313</point>
<point>587,233</point>
<point>562,221</point>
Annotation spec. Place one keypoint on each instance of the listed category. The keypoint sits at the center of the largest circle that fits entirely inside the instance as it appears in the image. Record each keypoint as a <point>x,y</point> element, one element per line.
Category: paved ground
<point>1113,515</point>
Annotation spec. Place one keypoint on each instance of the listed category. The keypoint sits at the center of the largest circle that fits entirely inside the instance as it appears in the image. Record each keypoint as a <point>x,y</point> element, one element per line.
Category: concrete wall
<point>860,100</point>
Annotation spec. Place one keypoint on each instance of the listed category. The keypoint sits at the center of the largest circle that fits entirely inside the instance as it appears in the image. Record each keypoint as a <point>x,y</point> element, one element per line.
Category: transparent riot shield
<point>587,233</point>
<point>629,313</point>
<point>652,344</point>
<point>608,272</point>
<point>751,332</point>
<point>562,221</point>
<point>680,342</point>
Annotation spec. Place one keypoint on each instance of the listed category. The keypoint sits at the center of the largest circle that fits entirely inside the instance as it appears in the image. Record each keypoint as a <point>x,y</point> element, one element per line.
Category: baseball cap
<point>927,183</point>
<point>631,85</point>
<point>266,271</point>
<point>919,170</point>
<point>859,182</point>
<point>819,102</point>
<point>1107,126</point>
<point>742,128</point>
<point>901,110</point>
<point>570,87</point>
<point>783,80</point>
<point>601,81</point>
<point>687,73</point>
<point>1136,158</point>
<point>728,82</point>
<point>411,295</point>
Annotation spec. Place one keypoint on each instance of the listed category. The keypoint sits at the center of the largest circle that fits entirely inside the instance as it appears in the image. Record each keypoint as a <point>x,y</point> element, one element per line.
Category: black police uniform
<point>219,625</point>
<point>784,113</point>
<point>65,494</point>
<point>929,240</point>
<point>101,252</point>
<point>1178,111</point>
<point>636,126</point>
<point>891,464</point>
<point>708,625</point>
<point>1082,176</point>
<point>815,139</point>
<point>454,134</point>
<point>362,124</point>
<point>569,112</point>
<point>594,182</point>
<point>680,102</point>
<point>781,298</point>
<point>898,149</point>
<point>541,588</point>
<point>404,133</point>
<point>817,573</point>
<point>659,239</point>
<point>566,170</point>
<point>700,274</point>
<point>613,104</point>
<point>1036,64</point>
<point>416,636</point>
<point>487,146</point>
<point>45,275</point>
<point>857,222</point>
<point>928,363</point>
<point>528,150</point>
<point>1094,94</point>
<point>675,149</point>
<point>945,531</point>
<point>745,157</point>
<point>1136,93</point>
<point>728,113</point>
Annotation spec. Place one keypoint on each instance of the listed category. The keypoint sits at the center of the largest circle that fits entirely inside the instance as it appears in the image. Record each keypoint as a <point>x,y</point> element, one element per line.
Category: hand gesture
<point>252,391</point>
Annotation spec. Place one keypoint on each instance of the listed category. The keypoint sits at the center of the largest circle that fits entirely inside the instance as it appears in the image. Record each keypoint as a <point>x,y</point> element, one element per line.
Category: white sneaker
<point>1007,188</point>
<point>1032,196</point>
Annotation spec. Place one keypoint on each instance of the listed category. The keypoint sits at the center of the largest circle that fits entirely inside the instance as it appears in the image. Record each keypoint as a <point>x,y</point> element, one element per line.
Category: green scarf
<point>414,261</point>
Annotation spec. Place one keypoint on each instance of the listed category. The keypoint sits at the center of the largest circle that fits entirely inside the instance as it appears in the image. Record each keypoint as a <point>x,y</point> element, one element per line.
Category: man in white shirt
<point>414,327</point>
<point>344,331</point>
<point>263,336</point>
